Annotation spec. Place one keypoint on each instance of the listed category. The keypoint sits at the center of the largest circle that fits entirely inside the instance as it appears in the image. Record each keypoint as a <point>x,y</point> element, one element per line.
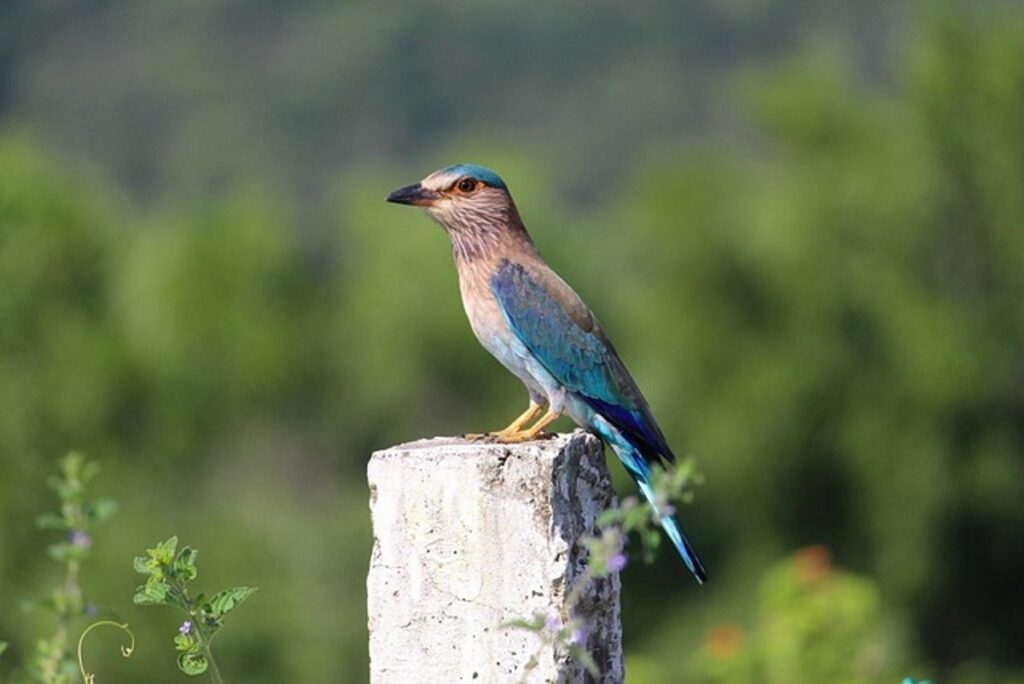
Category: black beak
<point>413,194</point>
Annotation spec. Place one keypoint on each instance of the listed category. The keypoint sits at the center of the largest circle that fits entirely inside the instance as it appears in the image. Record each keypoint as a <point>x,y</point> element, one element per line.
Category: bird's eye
<point>467,185</point>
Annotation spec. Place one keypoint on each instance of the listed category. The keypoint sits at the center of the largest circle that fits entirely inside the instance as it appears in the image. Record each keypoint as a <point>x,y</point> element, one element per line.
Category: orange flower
<point>723,642</point>
<point>813,564</point>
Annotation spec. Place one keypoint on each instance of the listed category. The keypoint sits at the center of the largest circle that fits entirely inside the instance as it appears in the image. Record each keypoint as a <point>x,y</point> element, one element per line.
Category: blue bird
<point>540,329</point>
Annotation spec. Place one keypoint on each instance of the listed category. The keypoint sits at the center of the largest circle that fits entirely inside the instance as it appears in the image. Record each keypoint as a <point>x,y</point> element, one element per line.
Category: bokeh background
<point>802,224</point>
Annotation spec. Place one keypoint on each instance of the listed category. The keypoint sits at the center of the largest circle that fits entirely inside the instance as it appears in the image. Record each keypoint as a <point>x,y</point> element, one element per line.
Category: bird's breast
<point>489,323</point>
<point>482,310</point>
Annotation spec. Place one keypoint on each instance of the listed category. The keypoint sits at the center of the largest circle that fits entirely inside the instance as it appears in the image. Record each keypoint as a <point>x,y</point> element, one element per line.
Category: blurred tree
<point>849,326</point>
<point>179,100</point>
<point>216,315</point>
<point>61,361</point>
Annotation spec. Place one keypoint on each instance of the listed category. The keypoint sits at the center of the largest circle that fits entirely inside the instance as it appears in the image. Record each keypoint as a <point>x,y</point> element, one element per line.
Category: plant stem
<point>196,616</point>
<point>214,670</point>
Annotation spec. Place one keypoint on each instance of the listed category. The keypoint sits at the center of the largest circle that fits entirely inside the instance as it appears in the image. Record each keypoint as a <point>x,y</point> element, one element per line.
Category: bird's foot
<point>512,436</point>
<point>514,433</point>
<point>479,436</point>
<point>503,437</point>
<point>520,437</point>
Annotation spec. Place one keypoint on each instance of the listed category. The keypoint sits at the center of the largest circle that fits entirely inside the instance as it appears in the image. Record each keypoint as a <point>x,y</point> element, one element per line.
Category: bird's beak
<point>414,194</point>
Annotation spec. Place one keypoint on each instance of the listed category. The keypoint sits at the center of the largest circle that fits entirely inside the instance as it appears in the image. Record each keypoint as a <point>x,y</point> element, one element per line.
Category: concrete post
<point>468,536</point>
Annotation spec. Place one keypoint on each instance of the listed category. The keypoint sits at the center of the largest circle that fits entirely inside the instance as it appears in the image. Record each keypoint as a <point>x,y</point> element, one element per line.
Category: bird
<point>536,326</point>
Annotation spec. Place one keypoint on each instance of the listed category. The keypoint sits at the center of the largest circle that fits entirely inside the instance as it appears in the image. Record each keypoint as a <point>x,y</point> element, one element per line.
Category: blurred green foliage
<point>825,310</point>
<point>811,622</point>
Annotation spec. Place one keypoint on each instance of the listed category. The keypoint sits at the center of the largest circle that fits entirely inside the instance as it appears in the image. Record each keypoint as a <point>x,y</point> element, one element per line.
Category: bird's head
<point>461,197</point>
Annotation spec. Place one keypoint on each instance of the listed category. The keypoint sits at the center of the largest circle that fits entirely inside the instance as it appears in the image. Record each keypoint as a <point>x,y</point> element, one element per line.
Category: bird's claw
<point>492,437</point>
<point>515,434</point>
<point>480,436</point>
<point>507,437</point>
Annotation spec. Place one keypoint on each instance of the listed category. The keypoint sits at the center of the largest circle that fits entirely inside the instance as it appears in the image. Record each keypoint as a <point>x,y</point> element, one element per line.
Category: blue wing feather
<point>633,422</point>
<point>576,353</point>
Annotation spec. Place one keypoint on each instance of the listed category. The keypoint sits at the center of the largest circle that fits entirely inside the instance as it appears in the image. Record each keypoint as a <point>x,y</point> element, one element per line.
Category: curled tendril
<point>126,651</point>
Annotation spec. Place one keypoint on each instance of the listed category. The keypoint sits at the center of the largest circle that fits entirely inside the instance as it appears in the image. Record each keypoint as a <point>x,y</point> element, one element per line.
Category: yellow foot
<point>519,437</point>
<point>535,432</point>
<point>512,431</point>
<point>503,437</point>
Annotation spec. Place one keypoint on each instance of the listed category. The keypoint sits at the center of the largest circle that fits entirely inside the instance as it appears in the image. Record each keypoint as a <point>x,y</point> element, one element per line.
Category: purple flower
<point>186,628</point>
<point>617,562</point>
<point>552,623</point>
<point>579,635</point>
<point>81,538</point>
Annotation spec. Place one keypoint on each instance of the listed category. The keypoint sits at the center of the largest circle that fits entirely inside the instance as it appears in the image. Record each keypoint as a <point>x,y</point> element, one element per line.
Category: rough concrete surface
<point>471,535</point>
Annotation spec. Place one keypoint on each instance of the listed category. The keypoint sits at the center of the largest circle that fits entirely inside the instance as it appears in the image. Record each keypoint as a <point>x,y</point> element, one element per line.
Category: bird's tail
<point>632,458</point>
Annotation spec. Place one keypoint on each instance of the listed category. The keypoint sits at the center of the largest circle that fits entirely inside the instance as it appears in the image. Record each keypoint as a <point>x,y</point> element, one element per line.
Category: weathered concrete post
<point>468,536</point>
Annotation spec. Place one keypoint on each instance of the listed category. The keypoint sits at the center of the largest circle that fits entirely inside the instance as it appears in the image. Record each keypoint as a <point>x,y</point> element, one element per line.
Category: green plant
<point>53,661</point>
<point>168,573</point>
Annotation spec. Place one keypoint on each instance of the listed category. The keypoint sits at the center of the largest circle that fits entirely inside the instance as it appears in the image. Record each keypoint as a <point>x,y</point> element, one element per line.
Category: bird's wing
<point>565,337</point>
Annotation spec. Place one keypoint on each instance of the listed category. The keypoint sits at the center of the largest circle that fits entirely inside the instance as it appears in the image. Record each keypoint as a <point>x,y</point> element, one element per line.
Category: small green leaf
<point>534,625</point>
<point>635,518</point>
<point>581,655</point>
<point>609,517</point>
<point>89,470</point>
<point>3,647</point>
<point>184,642</point>
<point>192,663</point>
<point>61,551</point>
<point>141,565</point>
<point>223,602</point>
<point>50,521</point>
<point>164,551</point>
<point>30,605</point>
<point>651,539</point>
<point>141,598</point>
<point>185,564</point>
<point>101,509</point>
<point>156,589</point>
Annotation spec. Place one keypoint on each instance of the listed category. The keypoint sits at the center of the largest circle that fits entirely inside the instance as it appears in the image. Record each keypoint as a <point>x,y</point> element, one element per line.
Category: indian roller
<point>528,318</point>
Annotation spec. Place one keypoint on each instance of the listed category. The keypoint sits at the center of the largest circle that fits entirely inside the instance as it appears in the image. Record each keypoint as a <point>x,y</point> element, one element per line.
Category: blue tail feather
<point>679,540</point>
<point>637,467</point>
